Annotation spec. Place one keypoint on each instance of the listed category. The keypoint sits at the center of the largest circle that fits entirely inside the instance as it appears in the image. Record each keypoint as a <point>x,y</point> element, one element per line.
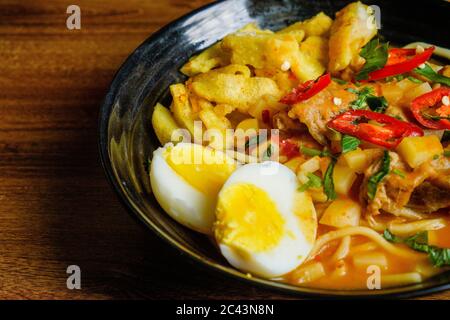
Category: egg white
<point>180,200</point>
<point>281,185</point>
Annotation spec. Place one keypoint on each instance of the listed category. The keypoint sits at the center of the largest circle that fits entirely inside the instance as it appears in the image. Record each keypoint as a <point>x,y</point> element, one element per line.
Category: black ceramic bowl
<point>127,138</point>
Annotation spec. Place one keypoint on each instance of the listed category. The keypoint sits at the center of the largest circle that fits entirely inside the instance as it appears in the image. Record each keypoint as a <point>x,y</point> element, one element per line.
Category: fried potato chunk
<point>317,48</point>
<point>163,123</point>
<point>353,28</point>
<point>181,107</point>
<point>215,56</point>
<point>233,89</point>
<point>272,52</point>
<point>319,25</point>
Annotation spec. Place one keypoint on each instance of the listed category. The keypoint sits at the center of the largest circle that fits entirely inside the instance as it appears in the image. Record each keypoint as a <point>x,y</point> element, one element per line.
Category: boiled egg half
<point>264,224</point>
<point>186,179</point>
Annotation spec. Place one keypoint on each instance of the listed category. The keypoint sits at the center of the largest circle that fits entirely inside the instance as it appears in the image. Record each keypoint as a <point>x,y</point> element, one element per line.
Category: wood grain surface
<point>56,207</point>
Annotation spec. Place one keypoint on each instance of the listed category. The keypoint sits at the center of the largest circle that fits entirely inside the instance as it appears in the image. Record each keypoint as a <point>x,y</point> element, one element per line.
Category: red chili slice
<point>289,148</point>
<point>428,101</point>
<point>399,64</point>
<point>389,135</point>
<point>397,55</point>
<point>307,89</point>
<point>265,115</point>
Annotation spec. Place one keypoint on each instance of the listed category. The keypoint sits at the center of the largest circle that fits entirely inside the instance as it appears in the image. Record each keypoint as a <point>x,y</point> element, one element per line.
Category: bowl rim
<point>135,212</point>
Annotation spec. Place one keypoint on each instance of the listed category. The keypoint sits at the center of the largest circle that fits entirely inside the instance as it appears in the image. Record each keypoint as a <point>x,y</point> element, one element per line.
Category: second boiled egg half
<point>264,224</point>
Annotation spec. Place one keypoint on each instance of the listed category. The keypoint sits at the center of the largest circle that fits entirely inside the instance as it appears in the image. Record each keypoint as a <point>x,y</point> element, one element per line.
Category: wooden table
<point>56,207</point>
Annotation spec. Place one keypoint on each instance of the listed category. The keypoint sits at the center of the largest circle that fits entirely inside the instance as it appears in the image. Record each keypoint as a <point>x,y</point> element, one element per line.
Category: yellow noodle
<point>368,246</point>
<point>363,231</point>
<point>376,225</point>
<point>401,279</point>
<point>343,249</point>
<point>409,228</point>
<point>410,214</point>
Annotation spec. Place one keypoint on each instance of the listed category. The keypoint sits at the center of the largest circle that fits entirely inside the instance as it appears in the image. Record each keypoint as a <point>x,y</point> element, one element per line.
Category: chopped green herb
<point>446,136</point>
<point>447,153</point>
<point>328,183</point>
<point>376,55</point>
<point>436,156</point>
<point>430,74</point>
<point>377,104</point>
<point>399,173</point>
<point>415,80</point>
<point>438,256</point>
<point>349,143</point>
<point>314,152</point>
<point>391,237</point>
<point>434,117</point>
<point>368,100</point>
<point>339,81</point>
<point>313,182</point>
<point>372,184</point>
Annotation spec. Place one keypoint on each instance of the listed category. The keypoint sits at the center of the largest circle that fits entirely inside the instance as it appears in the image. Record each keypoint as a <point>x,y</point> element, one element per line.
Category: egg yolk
<point>248,219</point>
<point>203,168</point>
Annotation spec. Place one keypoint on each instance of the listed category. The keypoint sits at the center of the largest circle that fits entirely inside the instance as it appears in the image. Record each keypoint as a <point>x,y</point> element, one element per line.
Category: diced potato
<point>342,213</point>
<point>343,178</point>
<point>316,47</point>
<point>317,195</point>
<point>356,160</point>
<point>373,154</point>
<point>311,165</point>
<point>163,124</point>
<point>393,91</point>
<point>319,25</point>
<point>364,259</point>
<point>414,92</point>
<point>417,150</point>
<point>294,163</point>
<point>181,107</point>
<point>308,273</point>
<point>446,71</point>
